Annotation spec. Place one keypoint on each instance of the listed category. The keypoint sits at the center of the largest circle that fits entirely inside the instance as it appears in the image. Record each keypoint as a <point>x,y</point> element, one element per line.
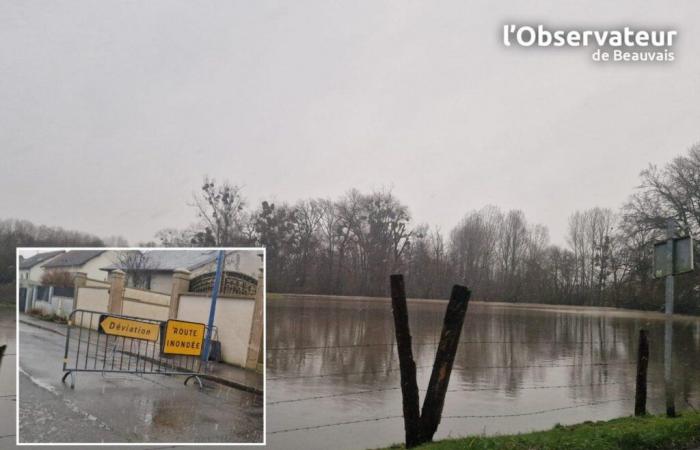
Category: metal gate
<point>89,349</point>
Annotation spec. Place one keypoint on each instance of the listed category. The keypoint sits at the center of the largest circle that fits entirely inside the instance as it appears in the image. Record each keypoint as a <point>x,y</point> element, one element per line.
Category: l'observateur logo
<point>612,45</point>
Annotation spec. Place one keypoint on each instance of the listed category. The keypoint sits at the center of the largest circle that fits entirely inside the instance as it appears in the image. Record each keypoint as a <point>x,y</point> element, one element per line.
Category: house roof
<point>28,263</point>
<point>170,260</point>
<point>73,258</point>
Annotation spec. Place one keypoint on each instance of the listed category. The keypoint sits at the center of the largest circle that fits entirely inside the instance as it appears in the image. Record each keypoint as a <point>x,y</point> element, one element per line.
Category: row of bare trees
<point>349,246</point>
<point>22,233</point>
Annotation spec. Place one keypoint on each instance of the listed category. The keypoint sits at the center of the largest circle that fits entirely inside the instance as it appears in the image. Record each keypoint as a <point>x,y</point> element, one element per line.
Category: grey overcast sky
<point>111,112</point>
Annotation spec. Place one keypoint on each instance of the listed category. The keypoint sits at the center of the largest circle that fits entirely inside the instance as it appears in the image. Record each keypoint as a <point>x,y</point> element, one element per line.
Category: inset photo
<point>140,345</point>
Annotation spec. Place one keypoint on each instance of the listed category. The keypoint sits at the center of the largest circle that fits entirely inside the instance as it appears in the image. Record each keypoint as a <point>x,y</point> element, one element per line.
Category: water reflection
<point>339,356</point>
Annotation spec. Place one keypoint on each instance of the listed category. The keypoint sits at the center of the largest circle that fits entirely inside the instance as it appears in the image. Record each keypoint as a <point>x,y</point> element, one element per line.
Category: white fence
<point>93,298</point>
<point>142,295</point>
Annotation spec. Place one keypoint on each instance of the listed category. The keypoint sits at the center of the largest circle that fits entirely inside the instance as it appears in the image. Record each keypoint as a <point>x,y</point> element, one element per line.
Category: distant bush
<point>50,317</point>
<point>57,278</point>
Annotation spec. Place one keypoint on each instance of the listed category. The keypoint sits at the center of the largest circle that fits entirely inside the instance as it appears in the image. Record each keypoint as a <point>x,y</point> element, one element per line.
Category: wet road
<point>124,408</point>
<point>333,378</point>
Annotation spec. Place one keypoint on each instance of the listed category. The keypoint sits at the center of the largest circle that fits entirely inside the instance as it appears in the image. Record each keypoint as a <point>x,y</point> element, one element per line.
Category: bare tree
<point>115,241</point>
<point>220,208</point>
<point>137,265</point>
<point>57,278</point>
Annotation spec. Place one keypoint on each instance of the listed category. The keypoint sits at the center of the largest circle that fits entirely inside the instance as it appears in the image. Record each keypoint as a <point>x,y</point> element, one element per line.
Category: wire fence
<point>395,389</point>
<point>451,417</point>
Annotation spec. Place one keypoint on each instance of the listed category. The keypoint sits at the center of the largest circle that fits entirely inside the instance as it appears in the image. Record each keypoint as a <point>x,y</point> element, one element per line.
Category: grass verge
<point>627,433</point>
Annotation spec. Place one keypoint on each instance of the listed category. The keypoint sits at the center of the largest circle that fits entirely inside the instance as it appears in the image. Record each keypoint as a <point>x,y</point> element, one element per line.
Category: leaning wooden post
<point>409,385</point>
<point>444,359</point>
<point>640,397</point>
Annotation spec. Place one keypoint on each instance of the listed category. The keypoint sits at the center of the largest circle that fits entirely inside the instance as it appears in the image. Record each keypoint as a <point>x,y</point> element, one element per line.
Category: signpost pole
<point>668,332</point>
<point>212,308</point>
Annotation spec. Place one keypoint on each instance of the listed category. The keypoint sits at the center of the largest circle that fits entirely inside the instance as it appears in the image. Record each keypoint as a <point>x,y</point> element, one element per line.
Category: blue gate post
<point>212,308</point>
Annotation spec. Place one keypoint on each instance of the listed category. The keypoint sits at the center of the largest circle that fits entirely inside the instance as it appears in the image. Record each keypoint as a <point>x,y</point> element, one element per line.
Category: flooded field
<point>333,372</point>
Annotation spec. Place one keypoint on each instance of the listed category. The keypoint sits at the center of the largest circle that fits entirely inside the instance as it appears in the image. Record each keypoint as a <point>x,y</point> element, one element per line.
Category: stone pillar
<point>117,280</point>
<point>255,343</point>
<point>181,284</point>
<point>79,280</point>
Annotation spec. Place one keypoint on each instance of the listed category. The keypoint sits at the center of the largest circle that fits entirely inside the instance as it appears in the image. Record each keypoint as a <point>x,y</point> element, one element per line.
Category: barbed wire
<point>386,370</point>
<point>371,391</point>
<point>479,416</point>
<point>349,422</point>
<point>533,413</point>
<point>435,343</point>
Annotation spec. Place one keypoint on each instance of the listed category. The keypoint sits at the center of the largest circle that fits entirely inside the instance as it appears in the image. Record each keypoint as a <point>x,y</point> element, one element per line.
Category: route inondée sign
<point>183,338</point>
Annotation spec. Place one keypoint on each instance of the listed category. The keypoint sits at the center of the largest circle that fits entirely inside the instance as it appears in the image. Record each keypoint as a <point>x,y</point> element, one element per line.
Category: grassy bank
<point>628,433</point>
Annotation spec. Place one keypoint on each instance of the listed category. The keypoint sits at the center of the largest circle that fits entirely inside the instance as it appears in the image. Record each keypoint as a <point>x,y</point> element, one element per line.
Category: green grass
<point>628,433</point>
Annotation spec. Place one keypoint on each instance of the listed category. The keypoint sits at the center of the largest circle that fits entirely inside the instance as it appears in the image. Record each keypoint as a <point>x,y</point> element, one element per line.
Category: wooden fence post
<point>444,359</point>
<point>409,385</point>
<point>640,397</point>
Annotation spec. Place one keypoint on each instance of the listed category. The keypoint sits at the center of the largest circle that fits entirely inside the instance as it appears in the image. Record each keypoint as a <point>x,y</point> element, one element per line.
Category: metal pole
<point>668,331</point>
<point>212,308</point>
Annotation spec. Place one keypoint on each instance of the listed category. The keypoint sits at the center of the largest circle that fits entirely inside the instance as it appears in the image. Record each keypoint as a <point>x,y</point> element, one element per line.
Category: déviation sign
<point>129,328</point>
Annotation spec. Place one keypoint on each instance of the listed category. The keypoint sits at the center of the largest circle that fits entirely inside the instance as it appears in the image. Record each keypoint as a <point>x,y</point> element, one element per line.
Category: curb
<point>43,327</point>
<point>233,384</point>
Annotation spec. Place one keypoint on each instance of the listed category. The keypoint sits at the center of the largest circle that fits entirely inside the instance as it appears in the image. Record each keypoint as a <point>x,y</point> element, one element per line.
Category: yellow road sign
<point>183,338</point>
<point>135,329</point>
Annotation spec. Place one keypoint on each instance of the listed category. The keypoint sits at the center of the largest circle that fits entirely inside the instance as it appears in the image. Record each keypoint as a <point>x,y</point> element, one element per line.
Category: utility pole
<point>668,332</point>
<point>212,307</point>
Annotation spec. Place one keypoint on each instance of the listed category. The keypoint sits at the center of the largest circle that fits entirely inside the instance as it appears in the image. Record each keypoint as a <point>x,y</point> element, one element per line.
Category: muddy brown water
<point>333,379</point>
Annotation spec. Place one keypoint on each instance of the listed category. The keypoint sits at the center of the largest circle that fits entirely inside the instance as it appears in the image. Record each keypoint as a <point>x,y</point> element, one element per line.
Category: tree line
<point>350,245</point>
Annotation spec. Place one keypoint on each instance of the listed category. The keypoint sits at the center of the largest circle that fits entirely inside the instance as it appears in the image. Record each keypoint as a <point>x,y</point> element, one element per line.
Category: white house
<point>158,266</point>
<point>31,270</point>
<point>87,261</point>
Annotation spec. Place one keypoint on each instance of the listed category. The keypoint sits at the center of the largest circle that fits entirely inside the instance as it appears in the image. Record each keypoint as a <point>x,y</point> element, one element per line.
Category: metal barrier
<point>92,346</point>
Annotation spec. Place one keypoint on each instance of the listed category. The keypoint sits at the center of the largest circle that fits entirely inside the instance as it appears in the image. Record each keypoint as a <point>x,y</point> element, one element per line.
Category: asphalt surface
<point>124,408</point>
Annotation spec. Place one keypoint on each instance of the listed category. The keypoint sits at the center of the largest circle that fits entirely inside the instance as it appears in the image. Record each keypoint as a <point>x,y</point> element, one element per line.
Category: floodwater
<point>333,378</point>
